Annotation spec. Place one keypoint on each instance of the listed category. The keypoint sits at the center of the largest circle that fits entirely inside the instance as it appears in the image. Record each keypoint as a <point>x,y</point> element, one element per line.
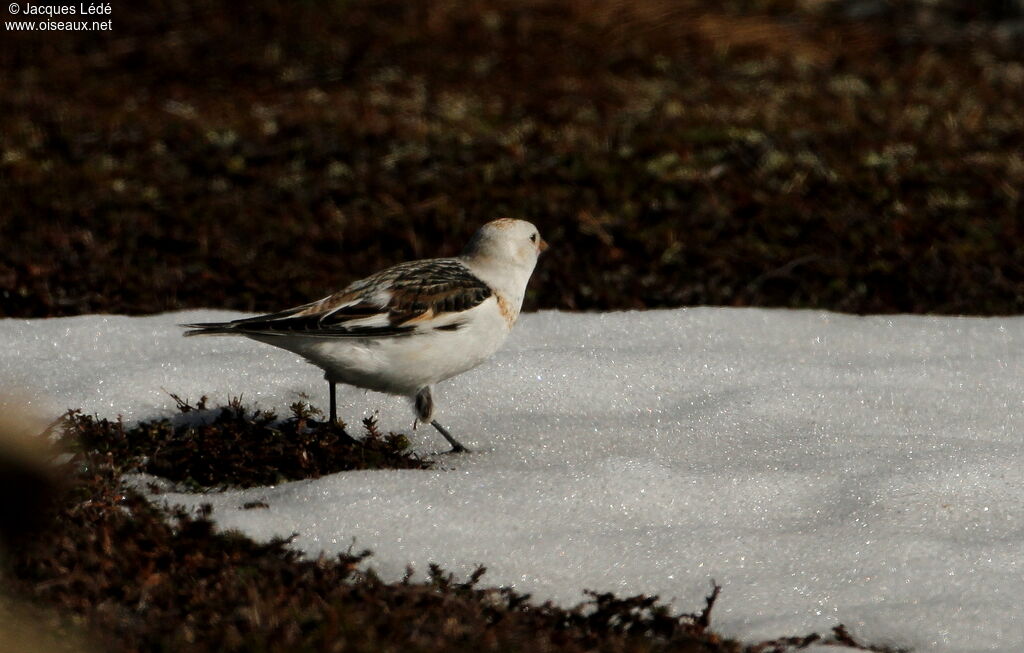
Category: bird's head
<point>507,241</point>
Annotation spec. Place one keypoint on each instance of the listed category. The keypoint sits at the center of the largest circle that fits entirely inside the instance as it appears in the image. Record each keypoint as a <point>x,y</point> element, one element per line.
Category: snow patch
<point>823,468</point>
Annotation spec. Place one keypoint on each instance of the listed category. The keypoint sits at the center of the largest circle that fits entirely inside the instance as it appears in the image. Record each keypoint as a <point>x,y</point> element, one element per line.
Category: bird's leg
<point>333,418</point>
<point>424,410</point>
<point>456,445</point>
<point>334,405</point>
<point>424,404</point>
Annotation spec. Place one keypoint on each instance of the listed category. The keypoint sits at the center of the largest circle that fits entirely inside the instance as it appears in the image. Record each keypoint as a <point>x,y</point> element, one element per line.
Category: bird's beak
<point>542,245</point>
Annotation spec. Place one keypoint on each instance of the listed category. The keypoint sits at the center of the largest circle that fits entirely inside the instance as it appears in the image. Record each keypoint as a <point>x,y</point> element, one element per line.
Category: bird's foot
<point>457,446</point>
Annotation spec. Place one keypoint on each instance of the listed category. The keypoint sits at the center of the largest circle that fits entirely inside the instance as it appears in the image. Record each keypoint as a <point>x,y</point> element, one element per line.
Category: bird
<point>410,326</point>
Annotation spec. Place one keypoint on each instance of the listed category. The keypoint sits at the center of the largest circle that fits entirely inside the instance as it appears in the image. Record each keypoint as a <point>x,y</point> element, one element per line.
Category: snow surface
<point>823,468</point>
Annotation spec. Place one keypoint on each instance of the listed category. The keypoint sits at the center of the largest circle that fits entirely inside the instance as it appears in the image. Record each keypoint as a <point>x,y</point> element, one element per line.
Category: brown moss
<point>238,446</point>
<point>742,153</point>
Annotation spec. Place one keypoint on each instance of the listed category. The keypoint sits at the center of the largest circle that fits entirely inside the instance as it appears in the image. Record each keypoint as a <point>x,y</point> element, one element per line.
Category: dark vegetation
<point>137,577</point>
<point>240,447</point>
<point>854,155</point>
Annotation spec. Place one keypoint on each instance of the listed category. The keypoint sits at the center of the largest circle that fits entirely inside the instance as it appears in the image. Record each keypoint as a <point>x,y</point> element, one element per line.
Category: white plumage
<point>410,326</point>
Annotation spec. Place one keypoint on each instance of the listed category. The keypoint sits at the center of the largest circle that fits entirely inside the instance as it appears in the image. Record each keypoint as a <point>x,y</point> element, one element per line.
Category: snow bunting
<point>405,328</point>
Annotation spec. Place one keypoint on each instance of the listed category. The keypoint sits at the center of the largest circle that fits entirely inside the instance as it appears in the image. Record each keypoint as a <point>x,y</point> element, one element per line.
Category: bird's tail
<point>210,329</point>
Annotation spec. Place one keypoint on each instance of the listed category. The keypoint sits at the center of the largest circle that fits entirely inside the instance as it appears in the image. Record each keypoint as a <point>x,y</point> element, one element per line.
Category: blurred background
<point>855,155</point>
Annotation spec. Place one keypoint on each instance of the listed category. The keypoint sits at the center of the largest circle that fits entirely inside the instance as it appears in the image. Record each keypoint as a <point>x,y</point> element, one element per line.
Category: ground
<point>851,155</point>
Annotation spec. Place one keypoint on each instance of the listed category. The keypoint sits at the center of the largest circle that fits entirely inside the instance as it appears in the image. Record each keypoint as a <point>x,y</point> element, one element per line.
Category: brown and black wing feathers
<point>394,302</point>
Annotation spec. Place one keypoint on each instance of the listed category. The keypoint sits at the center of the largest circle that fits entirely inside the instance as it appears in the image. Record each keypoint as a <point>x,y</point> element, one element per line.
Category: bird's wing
<point>401,300</point>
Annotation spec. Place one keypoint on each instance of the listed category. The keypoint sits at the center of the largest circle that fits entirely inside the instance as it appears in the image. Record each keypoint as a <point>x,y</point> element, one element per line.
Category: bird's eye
<point>533,238</point>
